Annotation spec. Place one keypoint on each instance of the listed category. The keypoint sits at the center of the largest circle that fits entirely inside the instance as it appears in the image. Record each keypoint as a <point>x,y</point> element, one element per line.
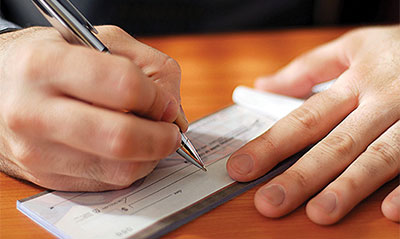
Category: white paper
<point>273,105</point>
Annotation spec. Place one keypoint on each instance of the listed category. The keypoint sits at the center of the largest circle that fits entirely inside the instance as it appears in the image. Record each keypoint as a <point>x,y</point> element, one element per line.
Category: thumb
<point>297,79</point>
<point>391,206</point>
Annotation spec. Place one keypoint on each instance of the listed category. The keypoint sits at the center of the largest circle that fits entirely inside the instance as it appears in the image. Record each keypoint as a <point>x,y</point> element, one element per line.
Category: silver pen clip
<point>67,19</point>
<point>82,19</point>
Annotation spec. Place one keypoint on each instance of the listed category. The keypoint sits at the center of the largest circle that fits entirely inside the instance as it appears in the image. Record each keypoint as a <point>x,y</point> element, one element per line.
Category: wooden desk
<point>212,65</point>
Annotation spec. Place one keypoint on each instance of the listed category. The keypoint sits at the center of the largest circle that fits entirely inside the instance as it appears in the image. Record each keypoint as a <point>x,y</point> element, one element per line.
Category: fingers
<point>136,78</point>
<point>376,166</point>
<point>107,80</point>
<point>304,126</point>
<point>391,205</point>
<point>113,134</point>
<point>328,159</point>
<point>297,79</point>
<point>98,131</point>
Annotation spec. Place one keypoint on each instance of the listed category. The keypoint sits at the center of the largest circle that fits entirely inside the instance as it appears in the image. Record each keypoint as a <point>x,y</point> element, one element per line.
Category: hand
<point>355,122</point>
<point>61,120</point>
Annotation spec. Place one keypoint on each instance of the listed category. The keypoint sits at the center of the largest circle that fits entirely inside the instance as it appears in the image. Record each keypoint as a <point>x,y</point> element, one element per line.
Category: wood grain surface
<point>212,66</point>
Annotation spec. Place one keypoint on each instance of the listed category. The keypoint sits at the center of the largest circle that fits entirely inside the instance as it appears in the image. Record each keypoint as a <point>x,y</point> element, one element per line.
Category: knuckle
<point>172,65</point>
<point>387,153</point>
<point>341,144</point>
<point>34,56</point>
<point>129,86</point>
<point>268,142</point>
<point>13,119</point>
<point>164,67</point>
<point>120,145</point>
<point>19,119</point>
<point>25,155</point>
<point>348,183</point>
<point>299,177</point>
<point>306,118</point>
<point>30,61</point>
<point>369,169</point>
<point>336,95</point>
<point>113,30</point>
<point>111,35</point>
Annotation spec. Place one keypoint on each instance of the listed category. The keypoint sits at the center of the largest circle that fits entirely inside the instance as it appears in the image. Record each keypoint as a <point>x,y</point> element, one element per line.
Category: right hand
<point>61,120</point>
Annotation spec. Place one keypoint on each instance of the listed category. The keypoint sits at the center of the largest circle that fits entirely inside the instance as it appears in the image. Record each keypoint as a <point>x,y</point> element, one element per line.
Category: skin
<point>355,125</point>
<point>66,129</point>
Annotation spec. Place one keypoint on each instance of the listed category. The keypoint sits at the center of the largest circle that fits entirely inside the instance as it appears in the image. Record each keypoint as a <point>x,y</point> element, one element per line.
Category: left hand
<point>355,122</point>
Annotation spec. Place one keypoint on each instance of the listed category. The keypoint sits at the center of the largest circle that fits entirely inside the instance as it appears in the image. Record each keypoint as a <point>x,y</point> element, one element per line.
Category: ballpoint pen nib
<point>189,152</point>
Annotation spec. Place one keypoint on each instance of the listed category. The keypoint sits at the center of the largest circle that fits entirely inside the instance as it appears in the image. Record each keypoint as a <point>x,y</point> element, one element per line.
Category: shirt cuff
<point>6,26</point>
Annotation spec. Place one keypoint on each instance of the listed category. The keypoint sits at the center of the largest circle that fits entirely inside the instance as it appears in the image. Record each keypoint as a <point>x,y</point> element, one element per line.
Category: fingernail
<point>274,194</point>
<point>170,111</point>
<point>327,202</point>
<point>242,164</point>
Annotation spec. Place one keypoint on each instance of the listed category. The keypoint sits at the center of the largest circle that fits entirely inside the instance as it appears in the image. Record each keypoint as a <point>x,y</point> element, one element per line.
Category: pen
<point>75,28</point>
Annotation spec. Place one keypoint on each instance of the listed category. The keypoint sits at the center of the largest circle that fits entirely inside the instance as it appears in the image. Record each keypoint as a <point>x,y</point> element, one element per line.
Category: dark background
<point>160,17</point>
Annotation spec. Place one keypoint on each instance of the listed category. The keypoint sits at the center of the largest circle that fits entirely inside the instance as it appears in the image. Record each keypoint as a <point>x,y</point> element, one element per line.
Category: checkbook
<point>176,192</point>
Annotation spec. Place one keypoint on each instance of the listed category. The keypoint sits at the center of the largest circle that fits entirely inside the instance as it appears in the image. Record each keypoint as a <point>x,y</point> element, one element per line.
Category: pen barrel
<point>70,23</point>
